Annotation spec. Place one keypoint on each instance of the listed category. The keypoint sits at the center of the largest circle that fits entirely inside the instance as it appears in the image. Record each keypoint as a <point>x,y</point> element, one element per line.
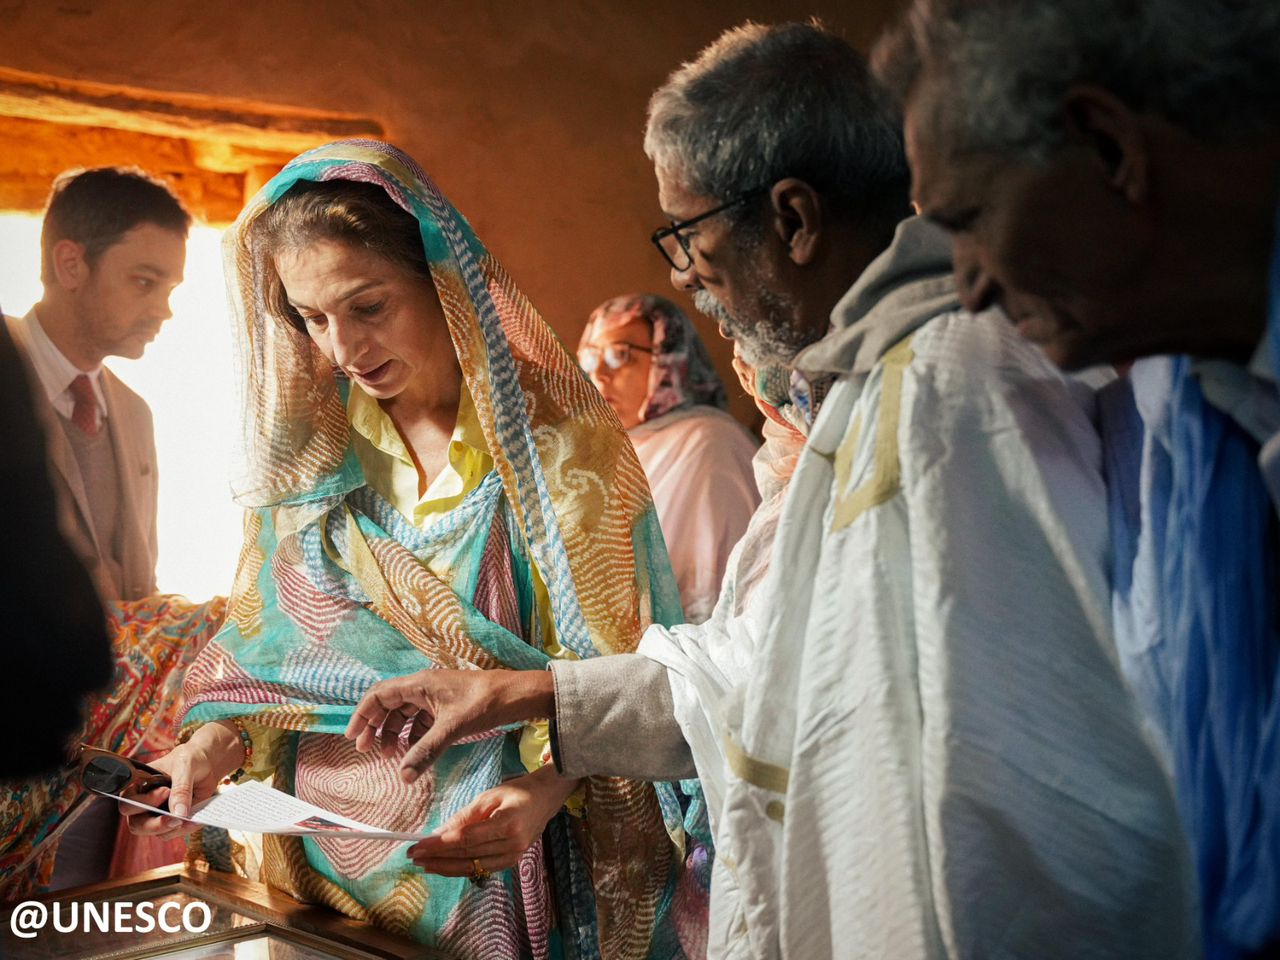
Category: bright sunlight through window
<point>188,378</point>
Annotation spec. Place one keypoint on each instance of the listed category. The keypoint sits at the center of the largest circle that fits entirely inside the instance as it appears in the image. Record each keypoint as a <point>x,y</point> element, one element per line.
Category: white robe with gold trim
<point>914,738</point>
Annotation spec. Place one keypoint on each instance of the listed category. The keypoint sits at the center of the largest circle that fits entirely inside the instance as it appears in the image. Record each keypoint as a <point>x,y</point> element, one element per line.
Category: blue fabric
<point>1198,631</point>
<point>1273,306</point>
<point>1131,461</point>
<point>1218,610</point>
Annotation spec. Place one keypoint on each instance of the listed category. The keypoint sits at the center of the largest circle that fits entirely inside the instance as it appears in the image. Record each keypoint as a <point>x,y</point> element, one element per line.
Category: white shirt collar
<point>56,372</point>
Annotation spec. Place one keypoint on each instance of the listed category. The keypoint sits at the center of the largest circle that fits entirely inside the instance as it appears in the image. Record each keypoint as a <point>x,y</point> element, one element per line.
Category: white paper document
<point>256,808</point>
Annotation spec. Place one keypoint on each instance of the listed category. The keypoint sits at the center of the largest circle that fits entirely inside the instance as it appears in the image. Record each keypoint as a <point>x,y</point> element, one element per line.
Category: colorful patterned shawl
<point>336,590</point>
<point>153,642</point>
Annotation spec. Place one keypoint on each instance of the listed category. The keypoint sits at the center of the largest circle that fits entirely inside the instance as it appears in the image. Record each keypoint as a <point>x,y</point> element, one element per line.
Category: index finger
<point>469,835</point>
<point>144,823</point>
<point>154,797</point>
<point>375,706</point>
<point>467,840</point>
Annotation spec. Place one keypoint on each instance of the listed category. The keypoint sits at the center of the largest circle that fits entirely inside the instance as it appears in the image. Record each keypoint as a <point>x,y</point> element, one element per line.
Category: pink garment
<point>698,461</point>
<point>136,854</point>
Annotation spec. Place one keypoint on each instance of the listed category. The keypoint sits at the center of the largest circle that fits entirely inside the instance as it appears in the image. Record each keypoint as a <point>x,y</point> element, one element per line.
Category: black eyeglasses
<point>674,246</point>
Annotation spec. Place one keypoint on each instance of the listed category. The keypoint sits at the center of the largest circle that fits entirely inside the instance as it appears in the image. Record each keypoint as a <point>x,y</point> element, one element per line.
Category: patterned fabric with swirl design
<point>336,590</point>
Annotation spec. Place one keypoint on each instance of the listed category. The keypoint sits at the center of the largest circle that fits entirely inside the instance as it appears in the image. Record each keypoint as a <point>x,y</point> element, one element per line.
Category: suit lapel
<point>66,467</point>
<point>130,467</point>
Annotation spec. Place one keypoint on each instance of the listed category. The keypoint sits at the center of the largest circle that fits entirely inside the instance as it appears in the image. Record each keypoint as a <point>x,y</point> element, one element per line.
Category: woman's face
<point>381,324</point>
<point>625,388</point>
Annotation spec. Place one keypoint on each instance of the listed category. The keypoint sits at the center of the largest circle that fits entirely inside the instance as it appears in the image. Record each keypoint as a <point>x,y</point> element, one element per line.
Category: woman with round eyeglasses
<point>647,360</point>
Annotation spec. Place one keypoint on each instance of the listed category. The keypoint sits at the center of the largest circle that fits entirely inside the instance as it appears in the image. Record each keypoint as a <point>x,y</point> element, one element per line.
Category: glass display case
<point>179,913</point>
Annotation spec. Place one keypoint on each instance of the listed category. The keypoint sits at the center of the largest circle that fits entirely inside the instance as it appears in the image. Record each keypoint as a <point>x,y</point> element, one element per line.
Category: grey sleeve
<point>615,717</point>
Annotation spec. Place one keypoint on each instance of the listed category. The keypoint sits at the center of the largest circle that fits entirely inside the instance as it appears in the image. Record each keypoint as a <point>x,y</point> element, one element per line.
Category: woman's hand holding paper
<point>196,768</point>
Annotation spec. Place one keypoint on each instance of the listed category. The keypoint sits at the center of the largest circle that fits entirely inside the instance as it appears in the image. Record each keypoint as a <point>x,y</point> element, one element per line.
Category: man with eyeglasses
<point>911,733</point>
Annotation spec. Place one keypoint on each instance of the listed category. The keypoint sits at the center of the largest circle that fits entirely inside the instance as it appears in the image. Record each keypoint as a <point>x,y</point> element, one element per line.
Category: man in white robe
<point>912,733</point>
<point>914,741</point>
<point>1110,174</point>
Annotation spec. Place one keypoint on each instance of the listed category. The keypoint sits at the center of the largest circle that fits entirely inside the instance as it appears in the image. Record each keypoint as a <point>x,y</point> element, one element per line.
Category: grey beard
<point>711,307</point>
<point>770,342</point>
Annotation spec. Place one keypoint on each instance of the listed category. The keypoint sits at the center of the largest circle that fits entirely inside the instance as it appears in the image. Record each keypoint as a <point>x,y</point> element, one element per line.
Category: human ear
<point>798,213</point>
<point>1100,122</point>
<point>69,265</point>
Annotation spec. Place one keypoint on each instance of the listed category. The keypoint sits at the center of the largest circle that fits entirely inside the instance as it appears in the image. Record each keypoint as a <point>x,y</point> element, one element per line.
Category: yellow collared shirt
<point>389,468</point>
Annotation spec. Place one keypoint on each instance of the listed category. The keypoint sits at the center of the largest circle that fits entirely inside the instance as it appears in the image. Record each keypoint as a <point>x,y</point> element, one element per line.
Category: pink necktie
<point>85,412</point>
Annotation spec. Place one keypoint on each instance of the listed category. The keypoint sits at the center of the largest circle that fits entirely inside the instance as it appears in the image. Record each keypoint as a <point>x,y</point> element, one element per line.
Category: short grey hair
<point>1211,67</point>
<point>793,100</point>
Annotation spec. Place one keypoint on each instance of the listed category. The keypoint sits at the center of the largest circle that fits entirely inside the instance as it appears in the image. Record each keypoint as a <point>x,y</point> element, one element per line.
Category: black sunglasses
<point>111,775</point>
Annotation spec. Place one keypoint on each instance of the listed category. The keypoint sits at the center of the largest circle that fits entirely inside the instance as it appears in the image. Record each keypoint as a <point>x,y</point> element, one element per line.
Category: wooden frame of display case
<point>257,910</point>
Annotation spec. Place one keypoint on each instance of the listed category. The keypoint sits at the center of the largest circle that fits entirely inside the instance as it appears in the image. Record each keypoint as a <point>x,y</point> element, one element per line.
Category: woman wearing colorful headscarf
<point>649,363</point>
<point>431,483</point>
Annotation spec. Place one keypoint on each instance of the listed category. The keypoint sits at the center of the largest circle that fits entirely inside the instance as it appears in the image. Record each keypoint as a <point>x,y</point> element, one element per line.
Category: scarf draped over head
<point>681,373</point>
<point>336,590</point>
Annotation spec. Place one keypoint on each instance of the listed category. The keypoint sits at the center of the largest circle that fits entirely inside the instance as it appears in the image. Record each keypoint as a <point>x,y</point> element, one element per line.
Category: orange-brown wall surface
<point>528,115</point>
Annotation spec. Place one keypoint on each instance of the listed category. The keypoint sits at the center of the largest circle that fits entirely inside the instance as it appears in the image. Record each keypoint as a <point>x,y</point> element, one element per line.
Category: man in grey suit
<point>113,247</point>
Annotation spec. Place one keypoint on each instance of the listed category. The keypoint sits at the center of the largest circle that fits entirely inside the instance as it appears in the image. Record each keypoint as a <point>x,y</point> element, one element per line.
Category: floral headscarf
<point>336,590</point>
<point>681,374</point>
